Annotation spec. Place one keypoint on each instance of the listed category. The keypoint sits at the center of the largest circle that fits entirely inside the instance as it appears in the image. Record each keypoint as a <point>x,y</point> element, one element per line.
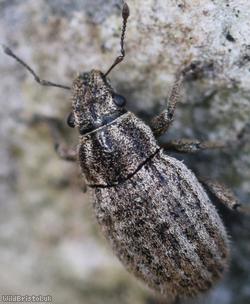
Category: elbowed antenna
<point>125,15</point>
<point>42,82</point>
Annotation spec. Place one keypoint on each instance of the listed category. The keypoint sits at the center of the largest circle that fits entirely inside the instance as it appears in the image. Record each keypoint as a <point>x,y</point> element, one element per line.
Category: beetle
<point>153,210</point>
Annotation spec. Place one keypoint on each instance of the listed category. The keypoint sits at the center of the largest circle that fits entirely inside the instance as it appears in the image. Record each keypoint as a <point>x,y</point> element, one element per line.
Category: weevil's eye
<point>119,100</point>
<point>71,120</point>
<point>84,77</point>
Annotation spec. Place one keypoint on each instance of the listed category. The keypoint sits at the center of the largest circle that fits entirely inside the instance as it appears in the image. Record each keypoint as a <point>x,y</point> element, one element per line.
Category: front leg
<point>161,122</point>
<point>70,154</point>
<point>64,152</point>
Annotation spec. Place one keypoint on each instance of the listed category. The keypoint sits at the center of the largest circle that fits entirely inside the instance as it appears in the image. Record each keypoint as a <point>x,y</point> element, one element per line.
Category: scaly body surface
<point>156,215</point>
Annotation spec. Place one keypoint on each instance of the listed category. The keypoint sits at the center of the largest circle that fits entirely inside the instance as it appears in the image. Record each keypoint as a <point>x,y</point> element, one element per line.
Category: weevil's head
<point>95,103</point>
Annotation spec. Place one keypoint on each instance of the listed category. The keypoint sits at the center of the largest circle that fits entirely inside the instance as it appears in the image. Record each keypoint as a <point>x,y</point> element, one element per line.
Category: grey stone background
<point>49,239</point>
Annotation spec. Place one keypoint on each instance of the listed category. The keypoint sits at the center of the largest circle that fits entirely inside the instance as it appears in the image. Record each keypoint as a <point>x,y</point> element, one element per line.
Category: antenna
<point>42,82</point>
<point>125,15</point>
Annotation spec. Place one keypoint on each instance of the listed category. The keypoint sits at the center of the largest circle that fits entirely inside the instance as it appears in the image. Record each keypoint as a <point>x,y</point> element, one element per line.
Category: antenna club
<point>125,15</point>
<point>125,11</point>
<point>6,50</point>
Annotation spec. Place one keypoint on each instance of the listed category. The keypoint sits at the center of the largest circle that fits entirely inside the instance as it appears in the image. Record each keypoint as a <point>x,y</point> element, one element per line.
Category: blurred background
<point>50,243</point>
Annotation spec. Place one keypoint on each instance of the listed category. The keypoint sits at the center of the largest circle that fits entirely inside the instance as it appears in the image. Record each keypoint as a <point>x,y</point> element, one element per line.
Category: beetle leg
<point>191,145</point>
<point>84,186</point>
<point>70,154</point>
<point>184,145</point>
<point>160,123</point>
<point>224,195</point>
<point>64,152</point>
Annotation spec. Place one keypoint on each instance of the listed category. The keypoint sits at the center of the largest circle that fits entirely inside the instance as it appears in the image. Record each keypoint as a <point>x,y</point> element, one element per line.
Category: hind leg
<point>224,195</point>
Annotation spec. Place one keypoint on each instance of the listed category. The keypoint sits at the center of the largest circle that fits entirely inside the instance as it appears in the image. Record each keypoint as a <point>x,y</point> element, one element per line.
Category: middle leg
<point>184,145</point>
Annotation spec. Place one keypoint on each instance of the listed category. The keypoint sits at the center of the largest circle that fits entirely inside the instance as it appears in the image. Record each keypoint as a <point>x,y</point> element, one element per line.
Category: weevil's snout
<point>95,103</point>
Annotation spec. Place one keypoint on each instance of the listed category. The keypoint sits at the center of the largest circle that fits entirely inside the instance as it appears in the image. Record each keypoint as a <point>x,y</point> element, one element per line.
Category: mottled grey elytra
<point>152,209</point>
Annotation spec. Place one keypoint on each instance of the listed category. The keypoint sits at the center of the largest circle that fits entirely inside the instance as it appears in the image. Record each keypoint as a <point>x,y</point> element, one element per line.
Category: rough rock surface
<point>48,236</point>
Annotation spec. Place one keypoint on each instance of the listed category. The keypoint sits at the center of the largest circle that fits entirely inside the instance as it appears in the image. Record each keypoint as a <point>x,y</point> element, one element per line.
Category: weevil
<point>152,209</point>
